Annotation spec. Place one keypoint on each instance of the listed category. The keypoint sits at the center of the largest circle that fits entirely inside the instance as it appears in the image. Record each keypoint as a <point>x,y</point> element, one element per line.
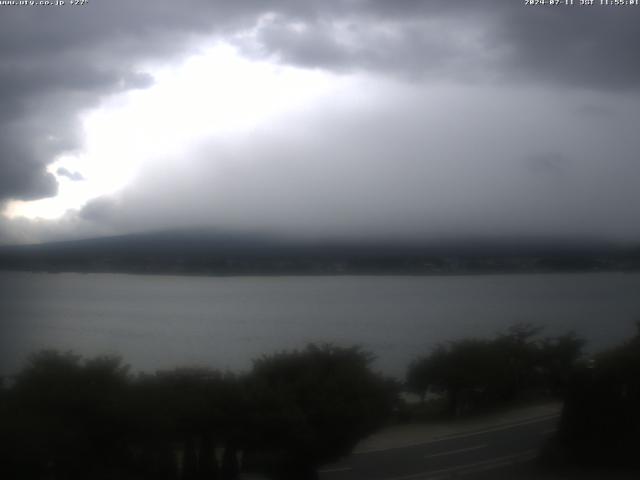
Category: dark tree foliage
<point>558,358</point>
<point>322,401</point>
<point>184,413</point>
<point>600,423</point>
<point>66,418</point>
<point>478,373</point>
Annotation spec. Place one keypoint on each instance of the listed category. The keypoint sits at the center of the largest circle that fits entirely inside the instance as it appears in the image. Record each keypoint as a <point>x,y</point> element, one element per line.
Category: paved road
<point>463,454</point>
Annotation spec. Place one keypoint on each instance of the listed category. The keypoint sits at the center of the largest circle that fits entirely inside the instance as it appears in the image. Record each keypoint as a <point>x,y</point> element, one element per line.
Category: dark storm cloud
<point>81,54</point>
<point>424,165</point>
<point>101,209</point>
<point>22,176</point>
<point>589,47</point>
<point>57,62</point>
<point>411,48</point>
<point>505,40</point>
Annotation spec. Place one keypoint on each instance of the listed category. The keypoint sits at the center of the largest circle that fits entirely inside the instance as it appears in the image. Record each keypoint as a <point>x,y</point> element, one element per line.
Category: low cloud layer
<point>479,117</point>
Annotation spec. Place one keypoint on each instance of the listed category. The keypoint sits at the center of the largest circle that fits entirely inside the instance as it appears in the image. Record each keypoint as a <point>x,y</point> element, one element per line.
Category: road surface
<point>469,453</point>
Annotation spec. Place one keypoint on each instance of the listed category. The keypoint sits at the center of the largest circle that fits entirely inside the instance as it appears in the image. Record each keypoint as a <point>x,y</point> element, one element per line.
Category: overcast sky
<point>406,118</point>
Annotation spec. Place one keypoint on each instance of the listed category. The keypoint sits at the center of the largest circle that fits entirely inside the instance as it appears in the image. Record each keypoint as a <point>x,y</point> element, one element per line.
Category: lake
<point>225,322</point>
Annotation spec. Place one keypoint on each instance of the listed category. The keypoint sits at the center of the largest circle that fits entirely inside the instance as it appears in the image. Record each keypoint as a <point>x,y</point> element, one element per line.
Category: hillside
<point>228,253</point>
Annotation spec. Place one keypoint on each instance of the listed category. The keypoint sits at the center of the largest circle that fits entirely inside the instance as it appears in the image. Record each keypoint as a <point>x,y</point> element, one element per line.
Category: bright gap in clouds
<point>215,94</point>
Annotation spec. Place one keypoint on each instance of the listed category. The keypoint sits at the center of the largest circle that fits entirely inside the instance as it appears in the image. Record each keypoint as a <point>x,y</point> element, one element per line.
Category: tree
<point>479,372</point>
<point>65,416</point>
<point>558,359</point>
<point>467,371</point>
<point>600,422</point>
<point>187,412</point>
<point>321,400</point>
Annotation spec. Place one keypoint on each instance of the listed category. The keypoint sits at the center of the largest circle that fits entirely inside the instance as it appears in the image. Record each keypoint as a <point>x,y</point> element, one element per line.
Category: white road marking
<point>462,435</point>
<point>495,429</point>
<point>453,452</point>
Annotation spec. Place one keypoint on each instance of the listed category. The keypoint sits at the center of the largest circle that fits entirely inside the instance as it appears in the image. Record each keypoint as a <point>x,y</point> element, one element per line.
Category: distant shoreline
<point>324,274</point>
<point>195,253</point>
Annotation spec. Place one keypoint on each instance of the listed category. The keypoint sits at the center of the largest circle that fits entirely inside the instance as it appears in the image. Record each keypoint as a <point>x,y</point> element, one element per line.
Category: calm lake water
<point>165,321</point>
